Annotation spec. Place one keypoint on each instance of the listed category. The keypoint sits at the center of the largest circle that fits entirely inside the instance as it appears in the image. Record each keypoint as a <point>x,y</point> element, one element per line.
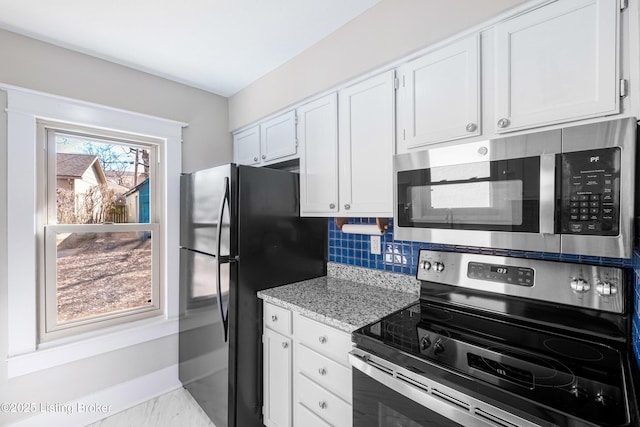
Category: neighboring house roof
<point>75,165</point>
<point>136,188</point>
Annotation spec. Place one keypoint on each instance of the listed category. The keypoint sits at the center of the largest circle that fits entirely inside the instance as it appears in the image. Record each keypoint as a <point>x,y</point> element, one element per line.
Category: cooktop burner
<point>557,373</point>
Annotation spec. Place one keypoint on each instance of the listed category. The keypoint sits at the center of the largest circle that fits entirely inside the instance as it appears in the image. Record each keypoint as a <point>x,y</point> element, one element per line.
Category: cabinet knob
<point>503,123</point>
<point>255,159</point>
<point>322,404</point>
<point>274,318</point>
<point>483,151</point>
<point>471,127</point>
<point>322,339</point>
<point>264,156</point>
<point>347,206</point>
<point>322,371</point>
<point>332,206</point>
<point>285,344</point>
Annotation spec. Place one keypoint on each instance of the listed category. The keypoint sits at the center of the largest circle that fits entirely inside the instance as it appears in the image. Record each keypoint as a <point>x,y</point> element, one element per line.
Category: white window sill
<point>66,350</point>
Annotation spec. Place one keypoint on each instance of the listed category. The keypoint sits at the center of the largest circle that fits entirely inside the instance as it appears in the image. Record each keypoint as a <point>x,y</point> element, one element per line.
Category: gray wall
<point>385,33</point>
<point>43,67</point>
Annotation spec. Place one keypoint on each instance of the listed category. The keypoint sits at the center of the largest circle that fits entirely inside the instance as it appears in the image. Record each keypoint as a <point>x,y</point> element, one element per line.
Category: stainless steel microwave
<point>569,190</point>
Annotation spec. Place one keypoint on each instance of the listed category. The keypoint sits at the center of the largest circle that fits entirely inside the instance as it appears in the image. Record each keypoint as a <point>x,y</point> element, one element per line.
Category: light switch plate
<point>375,245</point>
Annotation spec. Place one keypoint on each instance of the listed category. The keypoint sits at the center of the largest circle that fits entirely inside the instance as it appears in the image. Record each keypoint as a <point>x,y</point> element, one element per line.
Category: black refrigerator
<point>240,232</point>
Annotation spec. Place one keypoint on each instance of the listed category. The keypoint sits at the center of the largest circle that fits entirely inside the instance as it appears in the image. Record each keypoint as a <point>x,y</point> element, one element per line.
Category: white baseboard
<point>104,403</point>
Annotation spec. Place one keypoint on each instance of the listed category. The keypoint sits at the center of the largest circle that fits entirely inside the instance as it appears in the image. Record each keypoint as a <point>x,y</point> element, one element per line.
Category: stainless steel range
<point>501,341</point>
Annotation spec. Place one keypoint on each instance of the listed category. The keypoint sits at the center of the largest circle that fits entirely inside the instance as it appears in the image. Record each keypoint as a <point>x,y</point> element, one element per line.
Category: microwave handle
<point>547,193</point>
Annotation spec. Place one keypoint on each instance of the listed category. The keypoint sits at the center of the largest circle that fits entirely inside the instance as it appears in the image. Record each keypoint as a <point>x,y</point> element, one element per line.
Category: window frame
<point>25,353</point>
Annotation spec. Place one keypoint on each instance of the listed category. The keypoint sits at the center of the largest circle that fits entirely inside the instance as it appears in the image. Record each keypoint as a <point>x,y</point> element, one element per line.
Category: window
<point>101,221</point>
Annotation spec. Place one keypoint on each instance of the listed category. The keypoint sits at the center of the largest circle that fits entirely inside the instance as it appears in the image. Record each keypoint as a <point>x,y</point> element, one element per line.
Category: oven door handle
<point>547,193</point>
<point>436,397</point>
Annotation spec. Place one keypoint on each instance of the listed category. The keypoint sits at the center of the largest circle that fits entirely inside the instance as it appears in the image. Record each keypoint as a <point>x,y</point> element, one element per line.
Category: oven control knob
<point>438,266</point>
<point>606,288</point>
<point>425,265</point>
<point>580,285</point>
<point>438,347</point>
<point>425,342</point>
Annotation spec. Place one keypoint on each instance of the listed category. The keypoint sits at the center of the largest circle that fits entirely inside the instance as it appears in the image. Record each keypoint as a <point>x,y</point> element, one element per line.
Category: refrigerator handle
<point>224,316</point>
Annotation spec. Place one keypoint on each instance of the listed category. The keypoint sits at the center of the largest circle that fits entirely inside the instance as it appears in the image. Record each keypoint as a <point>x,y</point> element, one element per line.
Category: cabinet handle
<point>255,159</point>
<point>285,344</point>
<point>332,206</point>
<point>322,404</point>
<point>322,371</point>
<point>471,127</point>
<point>274,318</point>
<point>264,156</point>
<point>322,339</point>
<point>347,206</point>
<point>503,123</point>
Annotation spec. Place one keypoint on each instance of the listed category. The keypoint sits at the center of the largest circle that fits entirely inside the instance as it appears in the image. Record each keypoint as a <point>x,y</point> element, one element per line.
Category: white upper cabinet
<point>246,146</point>
<point>439,95</point>
<point>366,135</point>
<point>557,63</point>
<point>271,141</point>
<point>278,137</point>
<point>346,151</point>
<point>318,137</point>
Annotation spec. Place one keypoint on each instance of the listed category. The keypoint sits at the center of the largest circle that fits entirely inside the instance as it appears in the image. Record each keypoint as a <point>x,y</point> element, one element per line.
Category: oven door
<point>386,395</point>
<point>497,193</point>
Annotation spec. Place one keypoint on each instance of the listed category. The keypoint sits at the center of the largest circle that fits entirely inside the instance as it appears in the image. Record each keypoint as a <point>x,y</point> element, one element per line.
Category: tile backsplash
<point>401,256</point>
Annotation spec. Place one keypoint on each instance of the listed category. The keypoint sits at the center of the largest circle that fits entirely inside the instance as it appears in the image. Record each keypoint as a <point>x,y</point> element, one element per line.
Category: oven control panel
<point>581,285</point>
<point>511,275</point>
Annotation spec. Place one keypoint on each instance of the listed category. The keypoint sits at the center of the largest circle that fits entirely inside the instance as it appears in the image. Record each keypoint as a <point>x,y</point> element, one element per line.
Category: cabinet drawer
<point>277,318</point>
<point>324,339</point>
<point>304,417</point>
<point>326,405</point>
<point>324,371</point>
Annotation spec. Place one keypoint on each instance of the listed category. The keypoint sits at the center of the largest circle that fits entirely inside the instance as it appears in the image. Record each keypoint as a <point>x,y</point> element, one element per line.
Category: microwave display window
<point>498,196</point>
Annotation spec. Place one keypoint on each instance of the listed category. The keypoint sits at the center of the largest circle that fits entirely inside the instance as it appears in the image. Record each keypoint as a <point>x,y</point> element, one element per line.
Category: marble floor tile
<point>175,409</point>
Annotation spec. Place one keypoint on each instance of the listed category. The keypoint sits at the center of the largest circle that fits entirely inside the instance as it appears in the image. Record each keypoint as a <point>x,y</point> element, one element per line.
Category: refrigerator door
<point>202,193</point>
<point>275,246</point>
<point>203,350</point>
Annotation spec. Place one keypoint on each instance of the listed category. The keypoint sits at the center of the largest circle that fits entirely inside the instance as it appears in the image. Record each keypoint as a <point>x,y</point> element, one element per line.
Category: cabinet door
<point>278,137</point>
<point>366,141</point>
<point>557,63</point>
<point>246,146</point>
<point>277,379</point>
<point>318,138</point>
<point>439,95</point>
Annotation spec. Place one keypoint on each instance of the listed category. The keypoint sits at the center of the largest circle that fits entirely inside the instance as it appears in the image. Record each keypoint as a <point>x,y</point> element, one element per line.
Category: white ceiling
<point>217,45</point>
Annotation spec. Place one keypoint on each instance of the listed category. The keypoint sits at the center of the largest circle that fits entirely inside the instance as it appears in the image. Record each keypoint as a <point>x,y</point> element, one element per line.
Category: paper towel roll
<point>361,229</point>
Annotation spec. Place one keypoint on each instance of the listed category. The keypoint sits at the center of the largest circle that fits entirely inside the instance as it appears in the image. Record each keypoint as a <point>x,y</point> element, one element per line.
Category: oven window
<point>494,196</point>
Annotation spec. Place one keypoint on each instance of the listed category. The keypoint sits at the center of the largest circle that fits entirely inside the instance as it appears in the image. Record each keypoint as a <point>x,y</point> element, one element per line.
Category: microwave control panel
<point>590,195</point>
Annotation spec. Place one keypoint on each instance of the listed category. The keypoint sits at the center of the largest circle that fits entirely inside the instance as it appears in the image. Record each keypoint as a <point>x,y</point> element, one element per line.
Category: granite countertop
<point>346,304</point>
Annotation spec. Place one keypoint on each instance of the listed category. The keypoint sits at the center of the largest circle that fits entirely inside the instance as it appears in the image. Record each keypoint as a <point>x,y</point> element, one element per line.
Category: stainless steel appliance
<point>569,190</point>
<point>501,341</point>
<point>240,232</point>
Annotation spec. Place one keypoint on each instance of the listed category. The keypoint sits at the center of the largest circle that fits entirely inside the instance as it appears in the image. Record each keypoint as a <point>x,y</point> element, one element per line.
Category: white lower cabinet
<point>306,373</point>
<point>322,378</point>
<point>277,372</point>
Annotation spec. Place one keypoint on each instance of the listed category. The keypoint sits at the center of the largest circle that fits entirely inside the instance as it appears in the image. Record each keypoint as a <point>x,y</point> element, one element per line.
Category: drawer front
<point>324,339</point>
<point>324,371</point>
<point>323,403</point>
<point>277,318</point>
<point>305,418</point>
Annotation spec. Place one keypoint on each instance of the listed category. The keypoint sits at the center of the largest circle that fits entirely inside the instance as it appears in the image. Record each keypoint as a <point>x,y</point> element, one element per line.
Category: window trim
<point>24,108</point>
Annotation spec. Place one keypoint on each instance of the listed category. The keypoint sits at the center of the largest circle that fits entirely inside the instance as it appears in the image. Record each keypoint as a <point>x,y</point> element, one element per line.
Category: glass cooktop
<point>540,371</point>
